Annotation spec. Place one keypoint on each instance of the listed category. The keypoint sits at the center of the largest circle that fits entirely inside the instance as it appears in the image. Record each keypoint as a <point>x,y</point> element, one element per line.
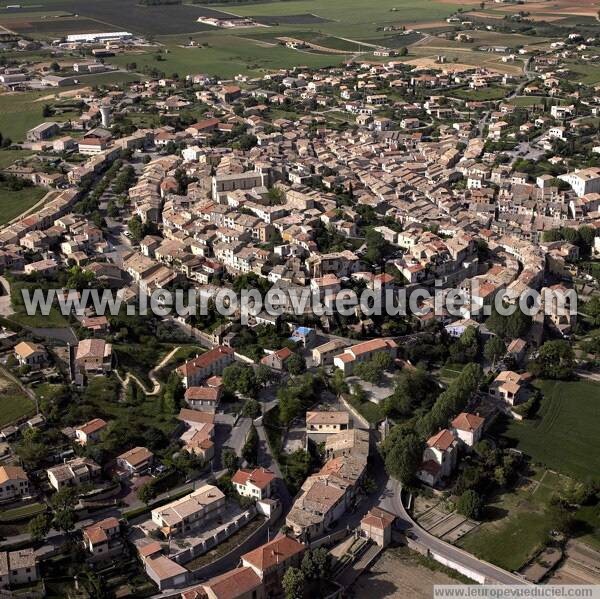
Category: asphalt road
<point>392,502</point>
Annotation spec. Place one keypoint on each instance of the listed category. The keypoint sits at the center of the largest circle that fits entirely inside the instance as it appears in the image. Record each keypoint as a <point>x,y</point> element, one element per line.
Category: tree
<point>494,349</point>
<point>146,493</point>
<point>251,409</point>
<point>250,449</point>
<point>377,247</point>
<point>240,378</point>
<point>262,374</point>
<point>555,360</point>
<point>295,364</point>
<point>64,519</point>
<point>470,504</point>
<point>136,228</point>
<point>337,382</point>
<point>560,518</point>
<point>39,526</point>
<point>230,460</point>
<point>316,564</point>
<point>403,453</point>
<point>293,583</point>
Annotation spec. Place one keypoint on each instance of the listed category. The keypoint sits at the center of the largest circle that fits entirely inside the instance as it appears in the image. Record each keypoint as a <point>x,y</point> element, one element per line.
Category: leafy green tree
<point>494,349</point>
<point>555,360</point>
<point>250,449</point>
<point>403,451</point>
<point>295,364</point>
<point>64,519</point>
<point>470,504</point>
<point>39,526</point>
<point>251,409</point>
<point>293,583</point>
<point>230,460</point>
<point>146,493</point>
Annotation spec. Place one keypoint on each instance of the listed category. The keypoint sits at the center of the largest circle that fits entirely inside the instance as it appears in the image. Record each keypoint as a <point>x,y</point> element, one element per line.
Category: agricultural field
<point>564,436</point>
<point>19,112</point>
<point>13,203</point>
<point>226,56</point>
<point>14,404</point>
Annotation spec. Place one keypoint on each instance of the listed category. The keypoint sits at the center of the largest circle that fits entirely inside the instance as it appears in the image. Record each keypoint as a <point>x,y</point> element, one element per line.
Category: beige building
<point>189,512</point>
<point>72,473</point>
<point>377,526</point>
<point>327,422</point>
<point>90,431</point>
<point>324,354</point>
<point>363,352</point>
<point>30,354</point>
<point>271,560</point>
<point>18,567</point>
<point>13,483</point>
<point>94,356</point>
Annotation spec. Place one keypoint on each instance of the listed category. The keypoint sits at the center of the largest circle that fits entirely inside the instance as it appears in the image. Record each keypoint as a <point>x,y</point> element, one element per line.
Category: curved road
<point>392,502</point>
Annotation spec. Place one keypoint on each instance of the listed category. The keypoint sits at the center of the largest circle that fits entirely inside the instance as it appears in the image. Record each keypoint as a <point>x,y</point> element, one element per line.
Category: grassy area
<point>450,371</point>
<point>7,157</point>
<point>518,526</point>
<point>14,404</point>
<point>564,436</point>
<point>22,513</point>
<point>140,359</point>
<point>54,320</point>
<point>226,56</point>
<point>13,203</point>
<point>494,92</point>
<point>108,79</point>
<point>367,409</point>
<point>588,74</point>
<point>19,112</point>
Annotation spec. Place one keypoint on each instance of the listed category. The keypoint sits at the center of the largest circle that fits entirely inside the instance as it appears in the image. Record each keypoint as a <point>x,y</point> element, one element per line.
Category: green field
<point>19,112</point>
<point>226,56</point>
<point>13,203</point>
<point>7,157</point>
<point>494,92</point>
<point>14,404</point>
<point>564,436</point>
<point>518,526</point>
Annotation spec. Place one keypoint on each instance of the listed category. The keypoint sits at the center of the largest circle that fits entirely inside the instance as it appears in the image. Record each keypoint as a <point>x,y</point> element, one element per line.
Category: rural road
<point>392,502</point>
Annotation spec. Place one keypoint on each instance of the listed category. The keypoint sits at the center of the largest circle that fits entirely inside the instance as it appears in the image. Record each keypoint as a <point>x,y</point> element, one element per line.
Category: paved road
<point>266,460</point>
<point>392,502</point>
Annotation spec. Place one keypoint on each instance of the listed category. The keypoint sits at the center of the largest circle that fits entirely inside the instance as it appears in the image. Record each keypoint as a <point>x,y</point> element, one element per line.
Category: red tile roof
<point>278,550</point>
<point>259,477</point>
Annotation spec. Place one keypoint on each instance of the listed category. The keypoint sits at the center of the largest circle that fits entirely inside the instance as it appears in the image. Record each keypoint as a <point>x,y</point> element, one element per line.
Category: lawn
<point>22,513</point>
<point>518,526</point>
<point>53,320</point>
<point>494,92</point>
<point>564,436</point>
<point>14,404</point>
<point>13,203</point>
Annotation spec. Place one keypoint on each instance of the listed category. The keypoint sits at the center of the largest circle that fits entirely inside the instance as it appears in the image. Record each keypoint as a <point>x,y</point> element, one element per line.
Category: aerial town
<point>242,452</point>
